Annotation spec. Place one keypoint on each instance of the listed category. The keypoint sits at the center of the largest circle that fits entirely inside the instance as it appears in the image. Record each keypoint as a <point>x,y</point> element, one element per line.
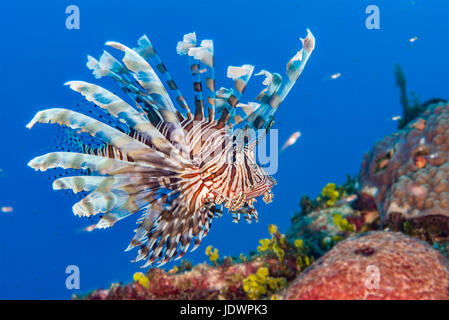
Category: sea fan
<point>179,169</point>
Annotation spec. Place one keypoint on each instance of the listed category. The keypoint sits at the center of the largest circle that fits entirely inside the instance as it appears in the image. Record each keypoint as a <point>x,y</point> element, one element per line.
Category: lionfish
<point>177,167</point>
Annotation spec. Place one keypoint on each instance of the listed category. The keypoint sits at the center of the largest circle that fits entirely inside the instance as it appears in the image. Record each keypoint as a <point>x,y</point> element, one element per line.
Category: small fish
<point>396,118</point>
<point>347,199</point>
<point>336,75</point>
<point>332,77</point>
<point>413,39</point>
<point>292,140</point>
<point>89,228</point>
<point>7,209</point>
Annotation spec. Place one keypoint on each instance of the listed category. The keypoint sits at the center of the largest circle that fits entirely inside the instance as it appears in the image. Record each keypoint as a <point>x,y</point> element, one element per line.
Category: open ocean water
<point>339,119</point>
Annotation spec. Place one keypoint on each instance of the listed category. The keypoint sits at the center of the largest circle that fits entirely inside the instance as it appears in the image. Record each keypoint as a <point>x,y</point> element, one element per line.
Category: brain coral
<point>377,265</point>
<point>408,173</point>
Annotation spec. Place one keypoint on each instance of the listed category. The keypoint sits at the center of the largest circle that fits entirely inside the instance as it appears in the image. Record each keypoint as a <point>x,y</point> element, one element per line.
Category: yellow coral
<point>272,229</point>
<point>212,254</point>
<point>282,239</point>
<point>265,245</point>
<point>303,262</point>
<point>262,272</point>
<point>330,193</point>
<point>141,279</point>
<point>342,223</point>
<point>275,244</point>
<point>257,284</point>
<point>278,251</point>
<point>299,243</point>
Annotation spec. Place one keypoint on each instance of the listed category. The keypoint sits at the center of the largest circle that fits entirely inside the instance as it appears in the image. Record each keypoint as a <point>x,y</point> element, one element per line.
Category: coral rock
<point>408,173</point>
<point>201,283</point>
<point>377,265</point>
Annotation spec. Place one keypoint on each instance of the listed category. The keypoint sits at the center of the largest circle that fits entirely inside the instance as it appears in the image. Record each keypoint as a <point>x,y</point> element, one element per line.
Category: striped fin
<point>117,204</point>
<point>205,54</point>
<point>248,108</point>
<point>169,226</point>
<point>158,96</point>
<point>230,98</point>
<point>189,48</point>
<point>117,196</point>
<point>74,160</point>
<point>110,102</point>
<point>95,128</point>
<point>126,81</point>
<point>241,76</point>
<point>100,201</point>
<point>172,235</point>
<point>147,78</point>
<point>208,47</point>
<point>147,51</point>
<point>277,87</point>
<point>262,115</point>
<point>296,65</point>
<point>109,66</point>
<point>125,113</point>
<point>272,82</point>
<point>83,183</point>
<point>131,182</point>
<point>128,145</point>
<point>95,164</point>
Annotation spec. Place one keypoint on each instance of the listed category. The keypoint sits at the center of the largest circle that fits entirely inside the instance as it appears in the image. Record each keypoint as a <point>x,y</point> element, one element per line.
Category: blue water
<point>339,119</point>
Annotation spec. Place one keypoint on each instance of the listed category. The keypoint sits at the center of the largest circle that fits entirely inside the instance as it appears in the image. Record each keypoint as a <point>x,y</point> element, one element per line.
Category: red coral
<point>378,265</point>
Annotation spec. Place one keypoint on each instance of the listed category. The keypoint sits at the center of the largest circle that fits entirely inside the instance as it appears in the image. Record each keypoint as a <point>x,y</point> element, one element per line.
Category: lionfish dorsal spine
<point>147,51</point>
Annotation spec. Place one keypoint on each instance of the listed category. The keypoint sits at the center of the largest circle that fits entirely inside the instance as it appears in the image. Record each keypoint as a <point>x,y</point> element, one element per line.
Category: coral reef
<point>255,277</point>
<point>259,283</point>
<point>378,265</point>
<point>330,194</point>
<point>322,223</point>
<point>407,174</point>
<point>202,282</point>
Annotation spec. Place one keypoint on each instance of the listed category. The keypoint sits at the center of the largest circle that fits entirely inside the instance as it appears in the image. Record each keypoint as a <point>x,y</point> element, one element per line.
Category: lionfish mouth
<point>144,157</point>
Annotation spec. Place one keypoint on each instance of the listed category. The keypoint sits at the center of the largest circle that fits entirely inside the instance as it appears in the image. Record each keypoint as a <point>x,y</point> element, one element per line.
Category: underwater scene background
<point>345,100</point>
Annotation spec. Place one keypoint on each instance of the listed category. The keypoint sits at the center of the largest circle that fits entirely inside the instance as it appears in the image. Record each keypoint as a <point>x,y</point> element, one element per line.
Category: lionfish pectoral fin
<point>168,227</point>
